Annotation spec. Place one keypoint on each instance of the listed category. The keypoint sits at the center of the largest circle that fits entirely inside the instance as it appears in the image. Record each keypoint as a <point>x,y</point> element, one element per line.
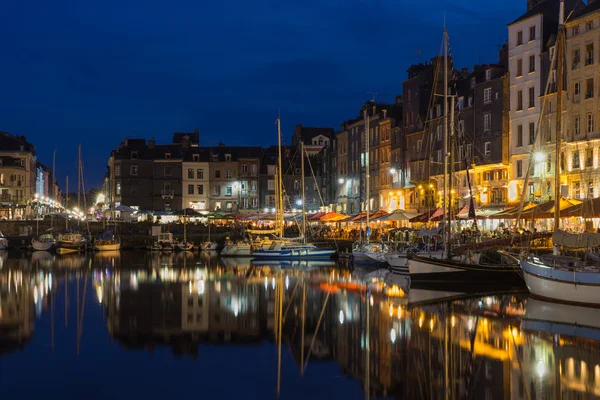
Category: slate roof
<point>550,10</point>
<point>593,5</point>
<point>10,142</point>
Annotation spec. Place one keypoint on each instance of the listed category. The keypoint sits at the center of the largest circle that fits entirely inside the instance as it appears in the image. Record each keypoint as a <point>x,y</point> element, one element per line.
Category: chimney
<point>532,3</point>
<point>151,143</point>
<point>185,142</point>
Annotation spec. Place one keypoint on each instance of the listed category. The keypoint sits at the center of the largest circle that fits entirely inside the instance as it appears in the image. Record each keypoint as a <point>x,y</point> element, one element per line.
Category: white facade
<point>524,48</point>
<point>195,185</point>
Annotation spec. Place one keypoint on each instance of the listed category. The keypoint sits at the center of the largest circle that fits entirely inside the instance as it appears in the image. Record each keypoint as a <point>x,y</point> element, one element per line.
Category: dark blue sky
<point>95,72</point>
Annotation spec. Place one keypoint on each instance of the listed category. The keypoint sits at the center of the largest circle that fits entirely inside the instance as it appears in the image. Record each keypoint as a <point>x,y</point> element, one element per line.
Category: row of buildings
<point>502,121</point>
<point>27,186</point>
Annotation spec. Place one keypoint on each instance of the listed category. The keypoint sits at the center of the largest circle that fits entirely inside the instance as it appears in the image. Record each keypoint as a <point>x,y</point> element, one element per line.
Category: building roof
<point>203,153</point>
<point>306,134</point>
<point>549,8</point>
<point>194,137</point>
<point>593,5</point>
<point>10,142</point>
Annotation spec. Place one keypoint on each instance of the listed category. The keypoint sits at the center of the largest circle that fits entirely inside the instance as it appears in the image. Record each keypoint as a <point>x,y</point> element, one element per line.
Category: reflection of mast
<point>303,322</point>
<point>279,311</point>
<point>80,316</point>
<point>368,353</point>
<point>66,299</point>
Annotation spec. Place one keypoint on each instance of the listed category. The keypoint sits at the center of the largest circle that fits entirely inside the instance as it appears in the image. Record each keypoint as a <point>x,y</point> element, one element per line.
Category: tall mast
<point>279,182</point>
<point>79,177</point>
<point>367,172</point>
<point>54,174</point>
<point>559,88</point>
<point>67,202</point>
<point>446,204</point>
<point>303,206</point>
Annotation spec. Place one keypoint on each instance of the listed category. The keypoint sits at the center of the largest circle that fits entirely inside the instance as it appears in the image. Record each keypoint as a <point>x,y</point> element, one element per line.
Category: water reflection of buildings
<point>23,296</point>
<point>475,348</point>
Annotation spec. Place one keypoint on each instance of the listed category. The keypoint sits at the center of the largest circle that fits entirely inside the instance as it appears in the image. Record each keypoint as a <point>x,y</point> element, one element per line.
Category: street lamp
<point>539,156</point>
<point>341,181</point>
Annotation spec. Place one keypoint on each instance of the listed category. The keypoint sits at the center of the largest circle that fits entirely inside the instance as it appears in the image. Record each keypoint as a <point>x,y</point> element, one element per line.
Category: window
<point>217,190</point>
<point>200,173</point>
<point>591,189</point>
<point>190,173</point>
<point>577,125</point>
<point>469,153</point>
<point>461,102</point>
<point>576,92</point>
<point>196,157</point>
<point>117,170</point>
<point>575,30</point>
<point>229,205</point>
<point>531,63</point>
<point>438,110</point>
<point>532,170</point>
<point>562,161</point>
<point>419,142</point>
<point>589,157</point>
<point>134,155</point>
<point>532,33</point>
<point>519,67</point>
<point>548,136</point>
<point>168,171</point>
<point>470,101</point>
<point>473,82</point>
<point>531,132</point>
<point>244,169</point>
<point>253,186</point>
<point>461,127</point>
<point>228,157</point>
<point>200,189</point>
<point>488,74</point>
<point>519,168</point>
<point>253,168</point>
<point>215,157</point>
<point>549,163</point>
<point>190,189</point>
<point>461,153</point>
<point>118,189</point>
<point>590,123</point>
<point>487,122</point>
<point>576,159</point>
<point>531,97</point>
<point>589,88</point>
<point>228,191</point>
<point>439,156</point>
<point>575,58</point>
<point>519,38</point>
<point>227,173</point>
<point>270,184</point>
<point>589,54</point>
<point>487,95</point>
<point>519,100</point>
<point>297,184</point>
<point>438,134</point>
<point>589,25</point>
<point>217,173</point>
<point>519,135</point>
<point>133,169</point>
<point>167,156</point>
<point>488,148</point>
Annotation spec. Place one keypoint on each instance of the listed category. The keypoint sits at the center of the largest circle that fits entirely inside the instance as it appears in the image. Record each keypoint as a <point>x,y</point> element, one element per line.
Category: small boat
<point>208,246</point>
<point>367,253</point>
<point>185,246</point>
<point>70,243</point>
<point>3,242</point>
<point>283,249</point>
<point>398,260</point>
<point>243,249</point>
<point>45,242</point>
<point>107,245</point>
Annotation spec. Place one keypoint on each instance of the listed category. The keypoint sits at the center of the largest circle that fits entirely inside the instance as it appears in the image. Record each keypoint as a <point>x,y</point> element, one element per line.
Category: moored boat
<point>45,242</point>
<point>70,243</point>
<point>185,246</point>
<point>283,249</point>
<point>107,245</point>
<point>3,242</point>
<point>208,246</point>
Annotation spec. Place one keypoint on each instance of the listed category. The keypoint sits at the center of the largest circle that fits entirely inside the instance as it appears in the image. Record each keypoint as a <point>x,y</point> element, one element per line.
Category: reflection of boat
<point>44,243</point>
<point>419,297</point>
<point>106,255</point>
<point>70,261</point>
<point>562,319</point>
<point>235,262</point>
<point>42,259</point>
<point>70,243</point>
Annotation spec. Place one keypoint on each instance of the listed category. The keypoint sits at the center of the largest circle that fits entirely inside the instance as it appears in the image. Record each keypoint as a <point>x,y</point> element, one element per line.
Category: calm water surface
<point>182,326</point>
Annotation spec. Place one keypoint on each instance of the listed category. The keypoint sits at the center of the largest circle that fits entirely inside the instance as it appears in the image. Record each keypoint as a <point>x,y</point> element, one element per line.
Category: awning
<point>546,210</point>
<point>315,217</point>
<point>425,216</point>
<point>333,217</point>
<point>590,208</point>
<point>397,215</point>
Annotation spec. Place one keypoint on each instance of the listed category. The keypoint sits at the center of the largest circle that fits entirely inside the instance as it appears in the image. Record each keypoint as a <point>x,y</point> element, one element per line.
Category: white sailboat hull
<point>42,246</point>
<point>208,246</point>
<point>185,246</point>
<point>398,261</point>
<point>562,285</point>
<point>236,250</point>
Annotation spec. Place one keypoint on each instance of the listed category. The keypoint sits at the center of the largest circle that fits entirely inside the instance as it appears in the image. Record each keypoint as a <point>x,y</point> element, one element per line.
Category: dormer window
<point>589,25</point>
<point>215,157</point>
<point>167,156</point>
<point>134,155</point>
<point>196,157</point>
<point>488,74</point>
<point>473,81</point>
<point>22,148</point>
<point>228,157</point>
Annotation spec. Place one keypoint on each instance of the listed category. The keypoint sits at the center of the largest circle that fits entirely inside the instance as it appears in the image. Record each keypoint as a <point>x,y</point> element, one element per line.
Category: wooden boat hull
<point>431,269</point>
<point>108,247</point>
<point>561,285</point>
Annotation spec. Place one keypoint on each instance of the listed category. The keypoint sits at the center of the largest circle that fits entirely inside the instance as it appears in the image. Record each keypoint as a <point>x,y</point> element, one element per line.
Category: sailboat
<point>44,242</point>
<point>468,268</point>
<point>107,242</point>
<point>556,276</point>
<point>208,245</point>
<point>283,248</point>
<point>362,250</point>
<point>185,245</point>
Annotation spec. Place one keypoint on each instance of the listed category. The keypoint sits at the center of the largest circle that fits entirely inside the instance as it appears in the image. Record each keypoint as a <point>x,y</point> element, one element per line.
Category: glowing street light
<point>392,171</point>
<point>341,181</point>
<point>299,202</point>
<point>539,156</point>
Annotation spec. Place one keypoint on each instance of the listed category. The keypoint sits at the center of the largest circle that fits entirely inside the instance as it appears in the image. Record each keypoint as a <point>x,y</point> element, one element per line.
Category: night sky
<point>92,73</point>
